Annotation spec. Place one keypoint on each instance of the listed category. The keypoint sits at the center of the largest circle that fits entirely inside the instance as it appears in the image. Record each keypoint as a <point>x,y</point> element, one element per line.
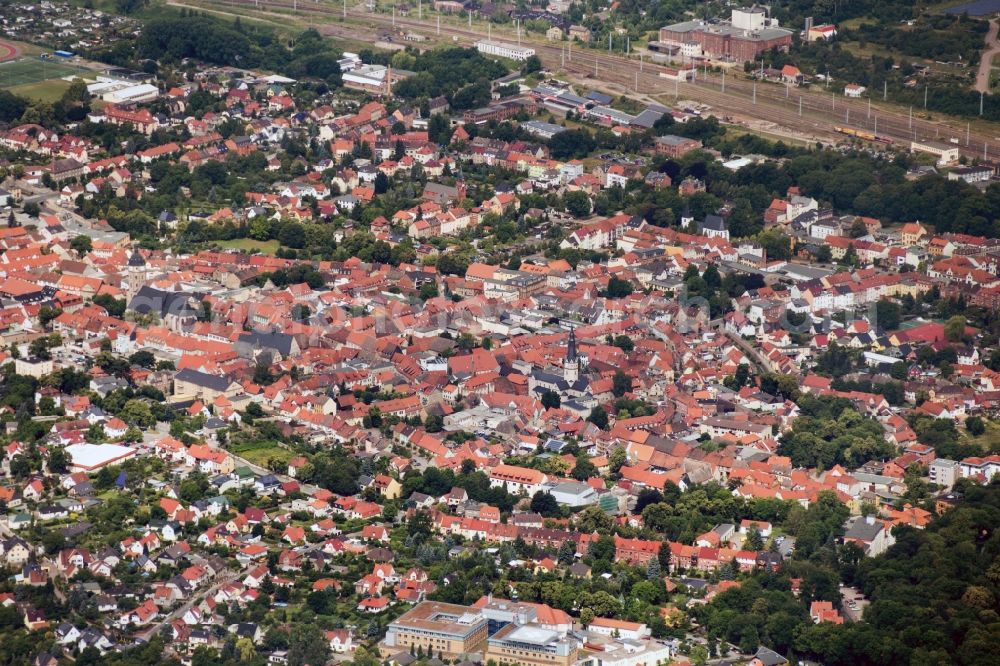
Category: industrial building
<point>746,35</point>
<point>946,154</point>
<point>503,50</point>
<point>92,457</point>
<point>374,79</point>
<point>118,91</point>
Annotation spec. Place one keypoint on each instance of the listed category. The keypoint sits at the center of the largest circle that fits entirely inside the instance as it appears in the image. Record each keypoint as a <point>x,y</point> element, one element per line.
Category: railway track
<point>804,111</point>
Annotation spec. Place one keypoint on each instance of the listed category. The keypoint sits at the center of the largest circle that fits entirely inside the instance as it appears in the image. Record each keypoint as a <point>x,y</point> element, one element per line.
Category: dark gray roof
<point>280,342</point>
<point>862,530</point>
<point>203,379</point>
<point>714,223</point>
<point>769,657</point>
<point>599,97</point>
<point>148,299</point>
<point>647,118</point>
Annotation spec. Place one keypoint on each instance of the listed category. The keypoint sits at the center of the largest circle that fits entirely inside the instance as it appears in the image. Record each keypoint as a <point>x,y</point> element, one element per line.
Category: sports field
<point>7,51</point>
<point>34,70</point>
<point>44,91</point>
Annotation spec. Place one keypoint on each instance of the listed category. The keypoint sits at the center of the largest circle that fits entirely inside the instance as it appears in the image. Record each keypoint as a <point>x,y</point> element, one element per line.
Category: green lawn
<point>261,454</point>
<point>989,441</point>
<point>251,245</point>
<point>35,70</point>
<point>27,49</point>
<point>44,91</point>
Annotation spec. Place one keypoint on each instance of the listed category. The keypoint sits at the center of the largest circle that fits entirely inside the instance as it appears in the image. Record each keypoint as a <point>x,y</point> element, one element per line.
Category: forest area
<point>934,596</point>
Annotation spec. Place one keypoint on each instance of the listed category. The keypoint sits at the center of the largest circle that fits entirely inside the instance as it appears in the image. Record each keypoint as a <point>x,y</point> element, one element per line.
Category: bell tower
<point>571,366</point>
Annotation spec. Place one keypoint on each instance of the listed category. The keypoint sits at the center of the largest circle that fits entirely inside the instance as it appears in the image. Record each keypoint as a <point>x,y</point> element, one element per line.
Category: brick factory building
<point>748,34</point>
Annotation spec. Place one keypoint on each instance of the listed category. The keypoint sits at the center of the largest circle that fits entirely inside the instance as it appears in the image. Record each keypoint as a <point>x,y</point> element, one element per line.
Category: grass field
<point>34,70</point>
<point>261,454</point>
<point>249,244</point>
<point>989,441</point>
<point>44,91</point>
<point>26,49</point>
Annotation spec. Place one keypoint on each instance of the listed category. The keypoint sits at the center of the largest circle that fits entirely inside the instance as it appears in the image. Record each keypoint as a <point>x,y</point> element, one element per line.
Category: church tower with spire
<point>571,366</point>
<point>137,271</point>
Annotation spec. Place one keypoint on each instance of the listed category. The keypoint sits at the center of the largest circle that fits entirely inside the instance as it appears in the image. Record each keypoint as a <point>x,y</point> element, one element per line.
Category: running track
<point>7,51</point>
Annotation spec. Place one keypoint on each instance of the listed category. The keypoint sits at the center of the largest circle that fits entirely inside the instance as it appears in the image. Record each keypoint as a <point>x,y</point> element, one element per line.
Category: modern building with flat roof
<point>92,457</point>
<point>531,644</point>
<point>542,129</point>
<point>449,630</point>
<point>602,650</point>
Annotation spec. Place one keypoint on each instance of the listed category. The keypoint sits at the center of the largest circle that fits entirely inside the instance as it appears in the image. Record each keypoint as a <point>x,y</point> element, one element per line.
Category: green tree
<point>888,314</point>
<point>551,400</point>
<point>532,64</point>
<point>47,313</point>
<point>577,203</point>
<point>618,288</point>
<point>624,343</point>
<point>584,469</point>
<point>599,417</point>
<point>142,358</point>
<point>975,426</point>
<point>246,649</point>
<point>544,504</point>
<point>572,144</point>
<point>81,245</point>
<point>428,290</point>
<point>754,540</point>
<point>434,423</point>
<point>954,328</point>
<point>59,460</point>
<point>621,384</point>
<point>741,378</point>
<point>617,459</point>
<point>137,412</point>
<point>307,645</point>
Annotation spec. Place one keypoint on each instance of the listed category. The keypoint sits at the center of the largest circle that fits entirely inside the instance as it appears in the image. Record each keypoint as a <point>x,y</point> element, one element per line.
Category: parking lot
<point>853,602</point>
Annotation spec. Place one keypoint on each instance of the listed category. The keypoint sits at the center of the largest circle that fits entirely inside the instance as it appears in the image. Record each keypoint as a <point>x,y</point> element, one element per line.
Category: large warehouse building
<point>504,50</point>
<point>92,457</point>
<point>749,33</point>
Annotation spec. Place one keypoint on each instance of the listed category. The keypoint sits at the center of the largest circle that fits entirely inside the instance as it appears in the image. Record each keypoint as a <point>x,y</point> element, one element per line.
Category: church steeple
<point>571,366</point>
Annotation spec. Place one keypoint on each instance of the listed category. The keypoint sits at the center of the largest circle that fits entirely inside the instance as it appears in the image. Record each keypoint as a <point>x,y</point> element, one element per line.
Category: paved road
<point>986,60</point>
<point>150,631</point>
<point>848,595</point>
<point>760,362</point>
